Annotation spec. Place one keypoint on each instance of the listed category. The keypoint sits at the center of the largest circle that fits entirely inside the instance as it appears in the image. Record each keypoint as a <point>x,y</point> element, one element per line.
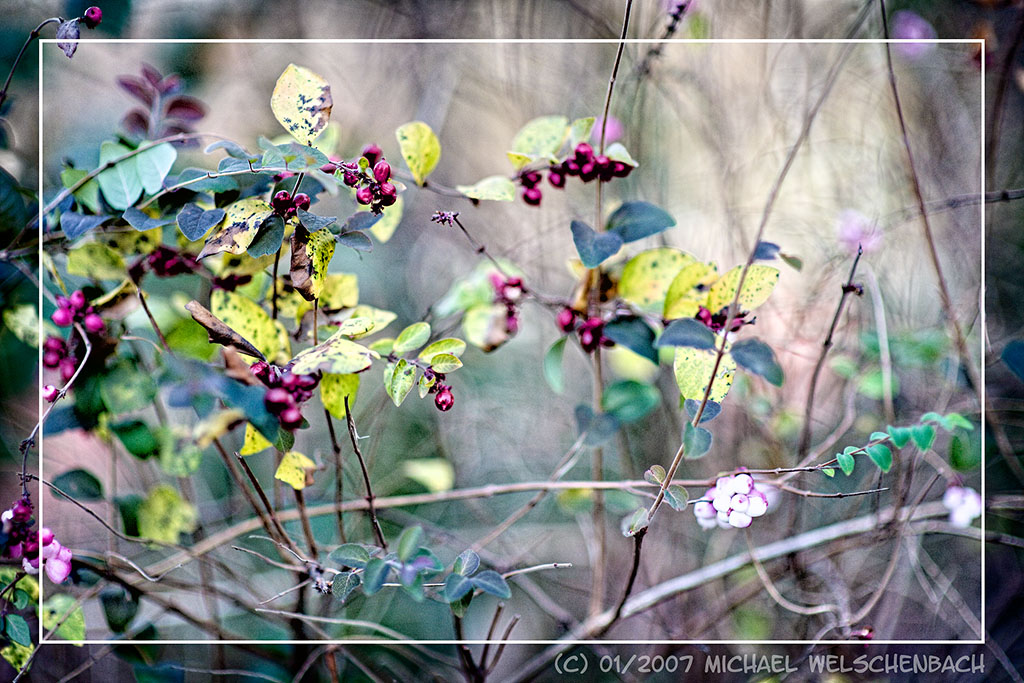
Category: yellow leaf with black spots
<point>647,276</point>
<point>96,260</point>
<point>334,389</point>
<point>164,516</point>
<point>302,103</point>
<point>340,290</point>
<point>689,290</point>
<point>757,287</point>
<point>247,318</point>
<point>311,255</point>
<point>254,441</point>
<point>242,221</point>
<point>296,470</point>
<point>693,367</point>
<point>420,149</point>
<point>338,355</point>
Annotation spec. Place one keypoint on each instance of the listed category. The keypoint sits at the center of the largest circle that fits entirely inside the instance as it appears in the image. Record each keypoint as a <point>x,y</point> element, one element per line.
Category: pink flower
<point>854,229</point>
<point>907,25</point>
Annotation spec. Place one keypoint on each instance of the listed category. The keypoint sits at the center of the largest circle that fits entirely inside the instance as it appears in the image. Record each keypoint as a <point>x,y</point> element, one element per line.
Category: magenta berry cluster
<point>590,330</point>
<point>508,292</point>
<point>166,262</point>
<point>16,527</point>
<point>734,501</point>
<point>231,282</point>
<point>582,163</point>
<point>75,309</point>
<point>57,355</point>
<point>285,204</point>
<point>444,399</point>
<point>286,392</point>
<point>716,321</point>
<point>373,185</point>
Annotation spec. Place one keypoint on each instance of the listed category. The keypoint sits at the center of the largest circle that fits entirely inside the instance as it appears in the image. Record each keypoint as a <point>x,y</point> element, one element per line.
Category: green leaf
<point>63,607</point>
<point>409,542</point>
<point>490,581</point>
<point>617,152</point>
<point>676,497</point>
<point>338,355</point>
<point>881,456</point>
<point>136,437</point>
<point>686,332</point>
<point>964,452</point>
<point>268,238</point>
<point>647,276</point>
<point>375,575</point>
<point>636,220</point>
<point>696,441</point>
<point>420,149</point>
<point>593,247</point>
<point>334,389</point>
<point>154,164</point>
<point>828,472</point>
<point>343,585</point>
<point>633,523</point>
<point>435,474</point>
<point>900,435</point>
<point>956,420</point>
<point>492,188</point>
<point>163,516</point>
<point>692,369</point>
<point>455,587</point>
<point>349,555</point>
<point>753,355</point>
<point>634,334</point>
<point>18,656</point>
<point>412,337</point>
<point>629,400</point>
<point>541,137</point>
<point>302,103</point>
<point>655,474</point>
<point>126,388</point>
<point>179,457</point>
<point>923,436</point>
<point>466,563</point>
<point>846,460</point>
<point>794,262</point>
<point>553,365</point>
<point>711,409</point>
<point>96,260</point>
<point>88,195</point>
<point>80,484</point>
<point>445,362</point>
<point>579,130</point>
<point>120,184</point>
<point>119,607</point>
<point>454,347</point>
<point>194,222</point>
<point>403,378</point>
<point>16,628</point>
<point>23,321</point>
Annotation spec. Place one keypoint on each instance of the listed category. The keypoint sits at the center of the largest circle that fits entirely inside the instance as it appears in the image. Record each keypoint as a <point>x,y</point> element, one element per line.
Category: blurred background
<point>711,125</point>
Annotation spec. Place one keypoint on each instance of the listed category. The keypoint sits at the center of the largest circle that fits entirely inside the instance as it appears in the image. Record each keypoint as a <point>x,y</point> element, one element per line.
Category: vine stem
<point>21,53</point>
<point>374,522</point>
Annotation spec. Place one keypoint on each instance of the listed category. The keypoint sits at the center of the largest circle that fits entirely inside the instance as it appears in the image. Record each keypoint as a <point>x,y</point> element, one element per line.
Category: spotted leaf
<point>757,287</point>
<point>302,103</point>
<point>692,368</point>
<point>338,355</point>
<point>689,290</point>
<point>296,470</point>
<point>254,441</point>
<point>420,149</point>
<point>241,223</point>
<point>334,389</point>
<point>311,254</point>
<point>247,318</point>
<point>542,136</point>
<point>646,278</point>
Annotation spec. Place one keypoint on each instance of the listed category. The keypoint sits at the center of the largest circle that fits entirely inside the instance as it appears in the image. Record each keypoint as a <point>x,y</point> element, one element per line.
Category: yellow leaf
<point>216,426</point>
<point>337,355</point>
<point>241,223</point>
<point>311,255</point>
<point>248,318</point>
<point>302,103</point>
<point>692,368</point>
<point>164,516</point>
<point>340,290</point>
<point>647,276</point>
<point>254,441</point>
<point>333,391</point>
<point>96,260</point>
<point>689,290</point>
<point>296,470</point>
<point>389,220</point>
<point>420,149</point>
<point>757,287</point>
<point>436,474</point>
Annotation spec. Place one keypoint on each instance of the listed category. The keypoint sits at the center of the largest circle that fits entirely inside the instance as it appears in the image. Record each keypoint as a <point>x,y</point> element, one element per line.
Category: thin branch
<point>374,522</point>
<point>773,591</point>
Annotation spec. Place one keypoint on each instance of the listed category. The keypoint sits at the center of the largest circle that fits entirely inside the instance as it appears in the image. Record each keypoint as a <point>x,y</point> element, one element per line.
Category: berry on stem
<point>50,393</point>
<point>92,17</point>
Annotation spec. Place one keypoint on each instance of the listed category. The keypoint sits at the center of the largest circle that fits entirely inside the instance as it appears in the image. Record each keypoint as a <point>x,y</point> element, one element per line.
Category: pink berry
<point>50,393</point>
<point>92,17</point>
<point>444,399</point>
<point>55,344</point>
<point>77,299</point>
<point>62,317</point>
<point>329,168</point>
<point>301,201</point>
<point>566,320</point>
<point>350,178</point>
<point>571,167</point>
<point>621,169</point>
<point>532,196</point>
<point>291,419</point>
<point>51,359</point>
<point>382,171</point>
<point>557,179</point>
<point>67,369</point>
<point>278,400</point>
<point>45,537</point>
<point>281,202</point>
<point>372,153</point>
<point>588,171</point>
<point>584,153</point>
<point>94,323</point>
<point>364,195</point>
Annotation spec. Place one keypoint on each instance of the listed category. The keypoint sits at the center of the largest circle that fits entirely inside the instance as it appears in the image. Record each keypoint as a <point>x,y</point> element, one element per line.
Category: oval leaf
<point>594,248</point>
<point>302,103</point>
<point>635,220</point>
<point>420,149</point>
<point>753,355</point>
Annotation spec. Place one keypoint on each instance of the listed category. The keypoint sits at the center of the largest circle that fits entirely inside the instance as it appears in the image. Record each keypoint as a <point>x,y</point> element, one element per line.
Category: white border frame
<point>980,43</point>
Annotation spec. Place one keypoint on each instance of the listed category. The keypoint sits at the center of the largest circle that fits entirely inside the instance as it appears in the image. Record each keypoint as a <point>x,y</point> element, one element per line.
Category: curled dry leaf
<point>311,254</point>
<point>236,368</point>
<point>219,332</point>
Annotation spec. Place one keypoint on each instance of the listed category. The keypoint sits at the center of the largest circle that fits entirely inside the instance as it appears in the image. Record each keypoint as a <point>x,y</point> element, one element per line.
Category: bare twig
<point>374,522</point>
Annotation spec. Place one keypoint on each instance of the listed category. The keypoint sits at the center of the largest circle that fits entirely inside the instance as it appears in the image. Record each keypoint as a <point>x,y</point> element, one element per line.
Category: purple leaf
<point>137,88</point>
<point>67,37</point>
<point>170,85</point>
<point>152,75</point>
<point>136,122</point>
<point>185,108</point>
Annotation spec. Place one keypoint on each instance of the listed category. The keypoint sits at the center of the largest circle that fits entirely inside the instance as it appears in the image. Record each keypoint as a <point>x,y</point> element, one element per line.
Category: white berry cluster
<point>732,502</point>
<point>964,505</point>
